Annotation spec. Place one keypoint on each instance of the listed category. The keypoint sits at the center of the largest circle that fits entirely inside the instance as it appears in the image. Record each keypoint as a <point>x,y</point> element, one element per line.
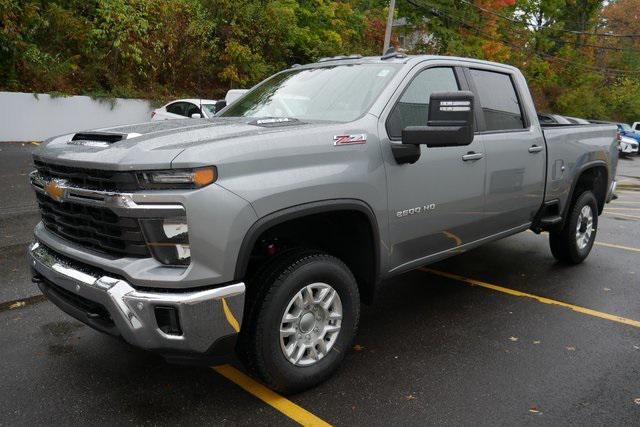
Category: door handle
<point>535,149</point>
<point>472,156</point>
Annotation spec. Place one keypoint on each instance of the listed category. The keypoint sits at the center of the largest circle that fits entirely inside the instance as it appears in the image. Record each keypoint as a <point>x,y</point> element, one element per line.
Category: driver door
<point>437,203</point>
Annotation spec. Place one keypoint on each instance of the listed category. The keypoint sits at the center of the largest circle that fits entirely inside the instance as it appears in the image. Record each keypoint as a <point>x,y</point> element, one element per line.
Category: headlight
<point>168,239</point>
<point>178,178</point>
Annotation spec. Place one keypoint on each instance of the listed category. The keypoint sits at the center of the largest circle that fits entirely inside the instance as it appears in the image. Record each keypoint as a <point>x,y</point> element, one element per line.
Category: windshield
<point>339,93</point>
<point>625,126</point>
<point>210,108</point>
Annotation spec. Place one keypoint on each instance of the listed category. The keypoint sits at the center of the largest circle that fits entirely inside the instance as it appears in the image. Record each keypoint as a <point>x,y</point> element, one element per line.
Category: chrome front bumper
<point>112,305</point>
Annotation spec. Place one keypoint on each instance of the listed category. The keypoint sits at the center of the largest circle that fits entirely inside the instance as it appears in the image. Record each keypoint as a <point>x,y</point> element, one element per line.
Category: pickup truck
<point>261,231</point>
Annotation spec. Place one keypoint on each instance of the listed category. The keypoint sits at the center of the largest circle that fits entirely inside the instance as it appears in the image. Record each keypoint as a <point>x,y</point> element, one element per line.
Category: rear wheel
<point>301,321</point>
<point>573,243</point>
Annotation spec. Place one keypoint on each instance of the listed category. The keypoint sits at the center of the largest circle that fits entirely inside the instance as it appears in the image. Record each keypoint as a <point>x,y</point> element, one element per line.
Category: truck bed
<point>570,147</point>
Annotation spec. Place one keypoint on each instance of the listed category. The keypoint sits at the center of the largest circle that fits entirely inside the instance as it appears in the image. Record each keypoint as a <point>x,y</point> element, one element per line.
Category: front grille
<point>94,227</point>
<point>92,179</point>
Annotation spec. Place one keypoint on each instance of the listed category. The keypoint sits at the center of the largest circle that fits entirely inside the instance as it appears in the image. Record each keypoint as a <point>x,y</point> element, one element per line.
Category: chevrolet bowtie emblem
<point>56,189</point>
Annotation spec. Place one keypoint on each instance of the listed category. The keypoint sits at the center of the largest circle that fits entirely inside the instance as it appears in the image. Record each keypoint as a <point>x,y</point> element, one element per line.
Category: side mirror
<point>196,116</point>
<point>450,122</point>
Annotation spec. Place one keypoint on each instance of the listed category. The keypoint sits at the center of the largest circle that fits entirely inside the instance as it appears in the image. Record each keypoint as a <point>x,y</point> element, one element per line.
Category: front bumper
<point>628,148</point>
<point>208,320</point>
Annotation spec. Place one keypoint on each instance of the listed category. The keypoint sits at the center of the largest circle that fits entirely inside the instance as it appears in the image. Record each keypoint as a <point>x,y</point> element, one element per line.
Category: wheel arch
<point>583,177</point>
<point>299,212</point>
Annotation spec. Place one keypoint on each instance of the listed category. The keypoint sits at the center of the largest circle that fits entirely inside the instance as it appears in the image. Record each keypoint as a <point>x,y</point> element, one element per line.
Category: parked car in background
<point>193,108</point>
<point>635,127</point>
<point>234,94</point>
<point>626,130</point>
<point>627,145</point>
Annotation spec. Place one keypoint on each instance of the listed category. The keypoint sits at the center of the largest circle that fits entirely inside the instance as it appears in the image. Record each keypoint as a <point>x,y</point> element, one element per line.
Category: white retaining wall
<point>27,117</point>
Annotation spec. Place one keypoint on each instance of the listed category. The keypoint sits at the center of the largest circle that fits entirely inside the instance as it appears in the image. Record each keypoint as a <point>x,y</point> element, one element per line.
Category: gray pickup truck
<point>262,230</point>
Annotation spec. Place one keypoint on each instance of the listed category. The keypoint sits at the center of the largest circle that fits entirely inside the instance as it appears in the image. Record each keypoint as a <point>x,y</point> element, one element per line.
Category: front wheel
<point>302,322</point>
<point>573,243</point>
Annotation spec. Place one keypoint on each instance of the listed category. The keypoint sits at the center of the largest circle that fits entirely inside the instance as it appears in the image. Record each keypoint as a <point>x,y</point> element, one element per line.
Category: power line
<point>542,27</point>
<point>555,39</point>
<point>541,55</point>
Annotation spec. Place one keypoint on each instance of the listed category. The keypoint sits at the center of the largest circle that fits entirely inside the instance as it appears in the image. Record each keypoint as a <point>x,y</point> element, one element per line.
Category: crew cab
<point>261,231</point>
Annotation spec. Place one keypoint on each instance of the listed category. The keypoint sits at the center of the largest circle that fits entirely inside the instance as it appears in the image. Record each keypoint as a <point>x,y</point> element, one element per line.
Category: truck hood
<point>153,145</point>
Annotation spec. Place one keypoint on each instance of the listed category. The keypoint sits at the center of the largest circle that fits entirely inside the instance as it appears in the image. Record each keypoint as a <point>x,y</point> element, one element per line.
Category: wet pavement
<point>431,349</point>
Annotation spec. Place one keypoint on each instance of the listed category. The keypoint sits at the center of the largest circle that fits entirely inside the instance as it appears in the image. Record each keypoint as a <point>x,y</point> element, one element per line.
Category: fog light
<point>168,320</point>
<point>168,239</point>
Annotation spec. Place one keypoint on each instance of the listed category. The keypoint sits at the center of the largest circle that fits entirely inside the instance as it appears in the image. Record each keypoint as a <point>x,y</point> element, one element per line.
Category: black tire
<point>269,294</point>
<point>563,243</point>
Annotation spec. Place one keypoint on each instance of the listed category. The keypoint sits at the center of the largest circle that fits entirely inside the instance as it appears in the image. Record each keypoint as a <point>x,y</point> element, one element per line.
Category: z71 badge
<point>360,138</point>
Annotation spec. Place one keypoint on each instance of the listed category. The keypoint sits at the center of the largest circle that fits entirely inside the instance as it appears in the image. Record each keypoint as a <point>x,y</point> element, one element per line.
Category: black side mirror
<point>450,122</point>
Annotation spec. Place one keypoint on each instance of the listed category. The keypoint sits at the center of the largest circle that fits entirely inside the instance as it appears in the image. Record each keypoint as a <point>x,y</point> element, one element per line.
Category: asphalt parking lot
<point>497,335</point>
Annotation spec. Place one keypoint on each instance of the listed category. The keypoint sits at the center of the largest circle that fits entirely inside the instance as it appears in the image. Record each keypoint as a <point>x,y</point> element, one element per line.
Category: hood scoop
<point>99,139</point>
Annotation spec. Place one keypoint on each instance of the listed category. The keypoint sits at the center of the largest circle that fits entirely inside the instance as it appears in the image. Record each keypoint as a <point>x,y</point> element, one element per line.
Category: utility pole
<point>387,32</point>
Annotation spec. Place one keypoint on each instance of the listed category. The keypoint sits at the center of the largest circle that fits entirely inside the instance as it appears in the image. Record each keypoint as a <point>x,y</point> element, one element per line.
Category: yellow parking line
<point>621,215</point>
<point>288,408</point>
<point>543,300</point>
<point>15,304</point>
<point>611,245</point>
<point>285,406</point>
<point>608,245</point>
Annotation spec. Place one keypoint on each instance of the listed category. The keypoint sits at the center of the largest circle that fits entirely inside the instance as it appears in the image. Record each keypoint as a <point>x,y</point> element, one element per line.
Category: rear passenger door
<point>515,150</point>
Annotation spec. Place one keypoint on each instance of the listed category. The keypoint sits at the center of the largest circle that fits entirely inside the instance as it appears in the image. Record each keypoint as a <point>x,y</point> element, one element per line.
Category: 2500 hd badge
<point>416,210</point>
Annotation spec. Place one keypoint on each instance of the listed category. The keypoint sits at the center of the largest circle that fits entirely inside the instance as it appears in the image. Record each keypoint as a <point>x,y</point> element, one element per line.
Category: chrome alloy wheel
<point>311,324</point>
<point>584,229</point>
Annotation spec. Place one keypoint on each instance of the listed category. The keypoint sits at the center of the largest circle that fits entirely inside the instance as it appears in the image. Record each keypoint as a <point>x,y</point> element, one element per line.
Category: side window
<point>498,100</point>
<point>412,109</point>
<point>192,109</point>
<point>177,108</point>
